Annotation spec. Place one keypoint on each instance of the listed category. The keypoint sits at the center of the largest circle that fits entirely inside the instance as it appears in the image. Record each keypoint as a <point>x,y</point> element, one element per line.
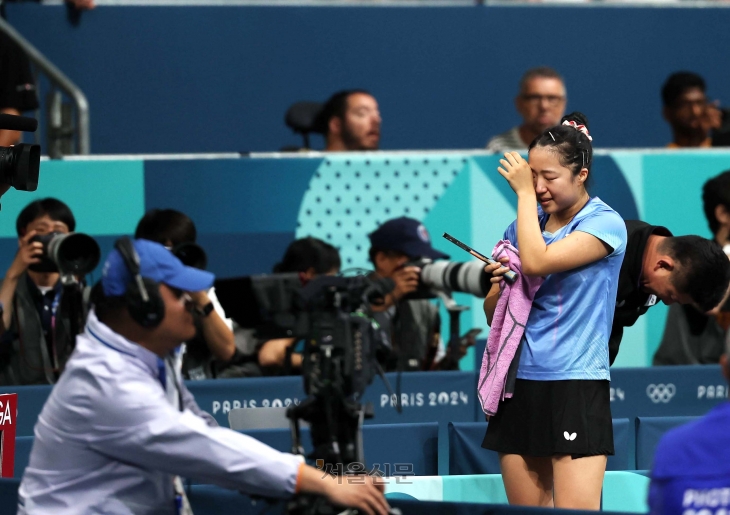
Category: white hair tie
<point>579,127</point>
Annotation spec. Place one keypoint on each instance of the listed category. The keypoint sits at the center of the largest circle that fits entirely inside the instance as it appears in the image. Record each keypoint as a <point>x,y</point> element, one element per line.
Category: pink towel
<point>508,326</point>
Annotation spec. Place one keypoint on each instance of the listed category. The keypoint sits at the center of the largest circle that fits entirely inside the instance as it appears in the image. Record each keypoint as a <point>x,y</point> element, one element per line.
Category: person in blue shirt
<point>691,473</point>
<point>121,427</point>
<point>555,433</point>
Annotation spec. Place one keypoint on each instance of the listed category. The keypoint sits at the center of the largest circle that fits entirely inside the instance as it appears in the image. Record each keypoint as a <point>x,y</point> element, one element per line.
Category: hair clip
<point>579,127</point>
<point>551,135</point>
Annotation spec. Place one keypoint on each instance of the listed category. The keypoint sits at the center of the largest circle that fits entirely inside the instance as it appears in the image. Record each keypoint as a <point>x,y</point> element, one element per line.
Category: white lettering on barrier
<point>418,399</point>
<point>712,392</point>
<point>617,394</point>
<point>226,406</point>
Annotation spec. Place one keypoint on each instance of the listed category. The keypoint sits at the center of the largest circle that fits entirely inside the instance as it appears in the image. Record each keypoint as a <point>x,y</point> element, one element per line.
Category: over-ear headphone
<point>144,301</point>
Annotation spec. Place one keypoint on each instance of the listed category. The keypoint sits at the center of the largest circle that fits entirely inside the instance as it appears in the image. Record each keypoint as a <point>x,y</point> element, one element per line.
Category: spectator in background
<point>686,109</point>
<point>350,120</point>
<point>17,87</point>
<point>37,338</point>
<point>213,346</point>
<point>541,103</point>
<point>691,336</point>
<point>691,472</point>
<point>309,257</point>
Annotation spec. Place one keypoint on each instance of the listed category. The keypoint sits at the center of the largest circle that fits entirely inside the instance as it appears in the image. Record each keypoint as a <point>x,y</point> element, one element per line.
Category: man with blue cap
<point>413,324</point>
<point>120,426</point>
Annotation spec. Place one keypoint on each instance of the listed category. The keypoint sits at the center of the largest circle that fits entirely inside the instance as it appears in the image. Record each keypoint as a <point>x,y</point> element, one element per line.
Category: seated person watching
<point>540,102</point>
<point>121,426</point>
<point>350,121</point>
<point>309,257</point>
<point>213,346</point>
<point>36,334</point>
<point>688,112</point>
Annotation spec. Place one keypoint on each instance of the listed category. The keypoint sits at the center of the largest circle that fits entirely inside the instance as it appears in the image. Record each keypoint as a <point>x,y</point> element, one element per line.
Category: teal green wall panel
<point>673,188</point>
<point>106,197</point>
<point>350,194</point>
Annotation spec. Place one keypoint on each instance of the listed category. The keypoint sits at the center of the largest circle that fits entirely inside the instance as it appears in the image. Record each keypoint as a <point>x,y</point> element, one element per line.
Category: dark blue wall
<point>191,79</point>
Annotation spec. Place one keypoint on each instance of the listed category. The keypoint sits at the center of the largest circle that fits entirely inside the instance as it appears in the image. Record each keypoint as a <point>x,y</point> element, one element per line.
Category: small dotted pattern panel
<point>350,196</point>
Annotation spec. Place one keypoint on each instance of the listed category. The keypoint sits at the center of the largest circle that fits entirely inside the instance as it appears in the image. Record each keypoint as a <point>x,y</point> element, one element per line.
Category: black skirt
<point>547,418</point>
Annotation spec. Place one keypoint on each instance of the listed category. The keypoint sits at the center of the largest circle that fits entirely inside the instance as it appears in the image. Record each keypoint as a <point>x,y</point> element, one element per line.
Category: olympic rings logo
<point>661,392</point>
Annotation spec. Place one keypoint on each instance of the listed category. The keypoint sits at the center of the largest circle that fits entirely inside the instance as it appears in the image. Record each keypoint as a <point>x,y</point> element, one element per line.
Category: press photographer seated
<point>309,257</point>
<point>413,325</point>
<point>37,335</point>
<point>213,346</point>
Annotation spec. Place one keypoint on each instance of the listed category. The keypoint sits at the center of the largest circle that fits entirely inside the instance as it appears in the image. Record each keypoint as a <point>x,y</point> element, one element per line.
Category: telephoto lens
<point>74,253</point>
<point>468,277</point>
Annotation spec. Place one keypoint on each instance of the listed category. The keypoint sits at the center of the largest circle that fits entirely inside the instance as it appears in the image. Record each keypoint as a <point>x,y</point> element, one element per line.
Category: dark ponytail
<point>570,142</point>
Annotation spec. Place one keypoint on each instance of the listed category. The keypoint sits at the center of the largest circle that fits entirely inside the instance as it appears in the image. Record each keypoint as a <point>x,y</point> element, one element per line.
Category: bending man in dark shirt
<point>661,267</point>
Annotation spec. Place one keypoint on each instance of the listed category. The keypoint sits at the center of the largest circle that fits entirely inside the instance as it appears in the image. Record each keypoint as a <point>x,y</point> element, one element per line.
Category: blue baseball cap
<point>156,263</point>
<point>407,236</point>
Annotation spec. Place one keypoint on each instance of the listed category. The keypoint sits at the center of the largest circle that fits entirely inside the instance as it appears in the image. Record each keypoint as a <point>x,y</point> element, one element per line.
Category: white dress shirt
<point>110,438</point>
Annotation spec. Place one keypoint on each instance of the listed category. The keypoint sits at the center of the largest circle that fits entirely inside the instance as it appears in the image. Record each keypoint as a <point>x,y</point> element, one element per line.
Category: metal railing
<point>66,134</point>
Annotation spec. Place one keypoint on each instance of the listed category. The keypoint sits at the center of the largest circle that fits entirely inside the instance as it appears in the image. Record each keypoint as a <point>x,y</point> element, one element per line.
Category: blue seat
<point>467,457</point>
<point>23,446</point>
<point>649,431</point>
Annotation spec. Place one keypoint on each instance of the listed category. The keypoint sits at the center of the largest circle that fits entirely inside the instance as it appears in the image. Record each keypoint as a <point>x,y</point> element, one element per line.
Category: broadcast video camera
<point>19,164</point>
<point>333,315</point>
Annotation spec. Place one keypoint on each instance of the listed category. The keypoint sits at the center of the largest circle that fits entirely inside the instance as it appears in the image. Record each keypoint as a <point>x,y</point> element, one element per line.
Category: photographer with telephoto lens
<point>413,325</point>
<point>42,295</point>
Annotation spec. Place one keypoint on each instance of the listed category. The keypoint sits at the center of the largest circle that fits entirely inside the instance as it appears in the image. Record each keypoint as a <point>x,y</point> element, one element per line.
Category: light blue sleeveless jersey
<point>570,321</point>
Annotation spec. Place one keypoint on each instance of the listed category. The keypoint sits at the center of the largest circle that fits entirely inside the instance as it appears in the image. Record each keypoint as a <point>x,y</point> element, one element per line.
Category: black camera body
<point>337,325</point>
<point>72,253</point>
<point>20,164</point>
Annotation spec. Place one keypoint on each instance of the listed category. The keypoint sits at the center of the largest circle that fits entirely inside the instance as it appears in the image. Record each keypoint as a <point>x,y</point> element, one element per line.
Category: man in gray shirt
<point>121,427</point>
<point>541,103</point>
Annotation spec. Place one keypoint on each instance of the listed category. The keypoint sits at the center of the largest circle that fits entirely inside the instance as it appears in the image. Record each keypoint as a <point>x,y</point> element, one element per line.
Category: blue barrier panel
<point>666,391</point>
<point>426,396</point>
<point>657,391</point>
<point>396,449</point>
<point>467,457</point>
<point>219,396</point>
<point>438,396</point>
<point>649,430</point>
